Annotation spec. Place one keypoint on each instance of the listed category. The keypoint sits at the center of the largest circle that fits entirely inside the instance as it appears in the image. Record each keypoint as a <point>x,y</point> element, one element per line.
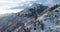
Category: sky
<point>5,5</point>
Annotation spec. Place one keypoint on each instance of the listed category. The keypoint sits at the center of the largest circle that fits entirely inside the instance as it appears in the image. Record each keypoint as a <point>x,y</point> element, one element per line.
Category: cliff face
<point>31,20</point>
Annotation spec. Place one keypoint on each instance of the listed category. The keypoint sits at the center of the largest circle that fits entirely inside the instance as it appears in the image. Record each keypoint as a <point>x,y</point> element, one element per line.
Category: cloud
<point>21,4</point>
<point>24,4</point>
<point>6,4</point>
<point>15,1</point>
<point>49,2</point>
<point>52,2</point>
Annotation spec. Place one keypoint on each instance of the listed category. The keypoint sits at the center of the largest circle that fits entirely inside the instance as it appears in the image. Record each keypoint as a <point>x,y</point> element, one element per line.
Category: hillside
<point>36,18</point>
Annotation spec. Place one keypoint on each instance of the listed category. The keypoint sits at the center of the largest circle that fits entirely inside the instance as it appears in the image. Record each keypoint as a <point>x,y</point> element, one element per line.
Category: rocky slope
<point>36,18</point>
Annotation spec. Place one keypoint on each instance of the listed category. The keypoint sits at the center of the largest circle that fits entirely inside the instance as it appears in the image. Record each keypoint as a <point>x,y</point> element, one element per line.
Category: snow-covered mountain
<point>31,20</point>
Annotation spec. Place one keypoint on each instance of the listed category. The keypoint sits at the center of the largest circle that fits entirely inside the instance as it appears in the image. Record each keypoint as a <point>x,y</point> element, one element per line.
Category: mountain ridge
<point>26,18</point>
